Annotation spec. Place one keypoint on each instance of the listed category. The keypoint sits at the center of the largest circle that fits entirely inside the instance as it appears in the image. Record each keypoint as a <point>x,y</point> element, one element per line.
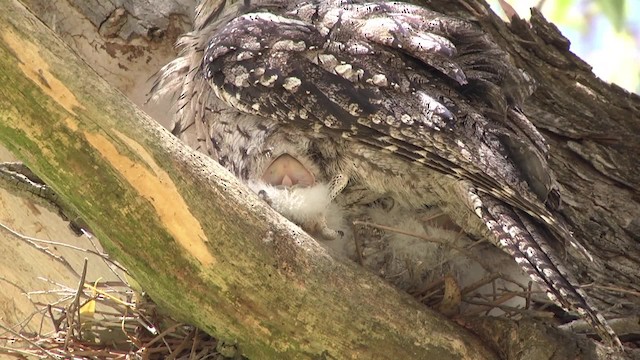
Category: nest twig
<point>100,320</point>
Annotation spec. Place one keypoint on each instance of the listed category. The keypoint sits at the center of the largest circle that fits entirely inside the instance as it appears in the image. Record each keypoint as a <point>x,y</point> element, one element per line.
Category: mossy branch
<point>205,248</point>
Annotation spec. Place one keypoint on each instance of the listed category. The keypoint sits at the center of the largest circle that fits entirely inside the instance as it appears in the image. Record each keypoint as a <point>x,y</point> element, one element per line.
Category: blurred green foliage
<point>614,10</point>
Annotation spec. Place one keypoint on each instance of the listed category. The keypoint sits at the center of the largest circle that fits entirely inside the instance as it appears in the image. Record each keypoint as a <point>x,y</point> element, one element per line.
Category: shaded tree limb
<point>205,248</point>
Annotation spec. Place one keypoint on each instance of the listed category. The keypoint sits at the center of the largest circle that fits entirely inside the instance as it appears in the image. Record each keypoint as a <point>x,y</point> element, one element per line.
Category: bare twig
<point>26,339</point>
<point>612,288</point>
<point>463,251</point>
<point>356,241</point>
<point>112,266</point>
<point>76,300</point>
<point>33,241</point>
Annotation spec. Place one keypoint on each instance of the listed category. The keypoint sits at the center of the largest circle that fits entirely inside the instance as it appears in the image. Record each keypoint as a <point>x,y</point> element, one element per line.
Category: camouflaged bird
<point>392,98</point>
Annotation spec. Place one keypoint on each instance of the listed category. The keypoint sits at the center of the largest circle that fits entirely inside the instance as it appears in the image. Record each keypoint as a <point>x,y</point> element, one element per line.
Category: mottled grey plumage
<point>402,101</point>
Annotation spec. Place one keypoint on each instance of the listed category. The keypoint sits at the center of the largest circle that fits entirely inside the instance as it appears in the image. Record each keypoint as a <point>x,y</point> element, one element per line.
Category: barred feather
<point>398,98</point>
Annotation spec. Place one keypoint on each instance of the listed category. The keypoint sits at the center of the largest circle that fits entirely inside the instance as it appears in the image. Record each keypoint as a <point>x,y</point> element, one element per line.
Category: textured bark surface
<point>118,18</point>
<point>126,42</point>
<point>206,250</point>
<point>594,132</point>
<point>593,129</point>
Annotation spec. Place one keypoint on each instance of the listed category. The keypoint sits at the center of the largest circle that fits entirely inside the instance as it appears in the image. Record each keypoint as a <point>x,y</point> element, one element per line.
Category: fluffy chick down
<point>310,207</point>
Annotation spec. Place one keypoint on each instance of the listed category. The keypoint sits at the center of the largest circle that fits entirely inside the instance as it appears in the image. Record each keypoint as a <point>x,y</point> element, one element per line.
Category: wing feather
<point>418,85</point>
<point>459,141</point>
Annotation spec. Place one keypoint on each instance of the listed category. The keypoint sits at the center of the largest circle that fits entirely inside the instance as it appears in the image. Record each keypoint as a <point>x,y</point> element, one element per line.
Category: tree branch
<point>213,255</point>
<point>206,249</point>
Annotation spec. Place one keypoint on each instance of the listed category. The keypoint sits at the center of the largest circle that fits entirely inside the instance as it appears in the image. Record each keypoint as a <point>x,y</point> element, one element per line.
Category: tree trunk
<point>593,129</point>
<point>207,250</point>
<point>224,261</point>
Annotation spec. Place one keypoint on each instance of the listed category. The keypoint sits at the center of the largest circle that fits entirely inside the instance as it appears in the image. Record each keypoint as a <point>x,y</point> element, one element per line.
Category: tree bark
<point>206,249</point>
<point>225,262</point>
<point>593,129</point>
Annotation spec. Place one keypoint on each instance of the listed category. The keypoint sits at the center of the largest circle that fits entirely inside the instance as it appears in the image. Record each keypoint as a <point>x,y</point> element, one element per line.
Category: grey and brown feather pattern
<point>380,90</point>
